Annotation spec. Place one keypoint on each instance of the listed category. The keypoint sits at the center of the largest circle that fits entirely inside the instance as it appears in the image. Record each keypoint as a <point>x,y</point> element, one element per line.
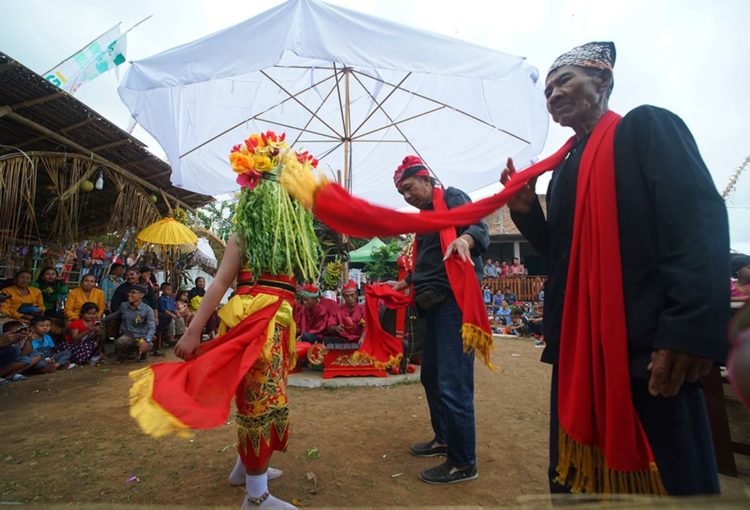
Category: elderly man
<point>137,326</point>
<point>347,322</point>
<point>636,242</point>
<point>447,371</point>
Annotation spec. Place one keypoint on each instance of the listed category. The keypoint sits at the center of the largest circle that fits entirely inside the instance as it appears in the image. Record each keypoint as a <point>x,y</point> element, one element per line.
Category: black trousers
<point>678,431</point>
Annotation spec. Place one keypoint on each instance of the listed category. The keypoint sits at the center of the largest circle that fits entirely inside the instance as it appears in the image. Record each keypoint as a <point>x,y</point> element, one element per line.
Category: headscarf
<point>409,167</point>
<point>309,291</point>
<point>596,55</point>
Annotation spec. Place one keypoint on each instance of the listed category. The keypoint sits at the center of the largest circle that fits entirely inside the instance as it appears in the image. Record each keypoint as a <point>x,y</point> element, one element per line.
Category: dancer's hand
<point>521,201</point>
<point>188,344</point>
<point>669,369</point>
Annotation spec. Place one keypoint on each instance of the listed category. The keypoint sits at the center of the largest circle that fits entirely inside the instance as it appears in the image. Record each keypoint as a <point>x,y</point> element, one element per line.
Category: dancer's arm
<point>228,269</point>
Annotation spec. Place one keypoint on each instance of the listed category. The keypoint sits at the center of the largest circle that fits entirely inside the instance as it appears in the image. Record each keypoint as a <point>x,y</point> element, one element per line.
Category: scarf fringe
<point>302,184</point>
<point>153,419</point>
<point>583,469</point>
<point>392,362</point>
<point>474,337</point>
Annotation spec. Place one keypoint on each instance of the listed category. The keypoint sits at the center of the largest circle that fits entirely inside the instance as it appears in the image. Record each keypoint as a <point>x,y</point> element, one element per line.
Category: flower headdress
<point>262,155</point>
<point>277,232</point>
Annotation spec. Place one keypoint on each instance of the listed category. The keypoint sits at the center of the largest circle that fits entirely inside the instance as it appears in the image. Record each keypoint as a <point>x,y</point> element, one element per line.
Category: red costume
<point>353,320</point>
<point>312,320</point>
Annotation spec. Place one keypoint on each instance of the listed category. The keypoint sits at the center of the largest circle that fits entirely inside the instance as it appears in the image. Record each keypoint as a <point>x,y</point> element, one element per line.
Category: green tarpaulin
<point>364,254</point>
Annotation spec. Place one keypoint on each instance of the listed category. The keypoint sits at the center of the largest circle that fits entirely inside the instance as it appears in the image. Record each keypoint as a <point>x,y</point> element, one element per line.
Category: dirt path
<point>67,437</point>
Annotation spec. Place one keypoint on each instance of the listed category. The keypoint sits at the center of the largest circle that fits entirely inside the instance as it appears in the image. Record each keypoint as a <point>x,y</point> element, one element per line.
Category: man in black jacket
<point>447,372</point>
<point>674,247</point>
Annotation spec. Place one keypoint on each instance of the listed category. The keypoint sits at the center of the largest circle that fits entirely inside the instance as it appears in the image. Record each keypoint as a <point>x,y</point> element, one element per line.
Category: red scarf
<point>379,346</point>
<point>475,329</point>
<point>600,433</point>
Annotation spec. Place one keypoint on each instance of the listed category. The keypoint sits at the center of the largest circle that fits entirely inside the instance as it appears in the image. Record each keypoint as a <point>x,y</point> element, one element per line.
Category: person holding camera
<point>83,336</point>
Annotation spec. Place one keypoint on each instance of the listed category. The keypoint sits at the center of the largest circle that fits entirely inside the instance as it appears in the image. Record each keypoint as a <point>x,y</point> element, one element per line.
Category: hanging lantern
<point>153,198</point>
<point>87,186</point>
<point>100,181</point>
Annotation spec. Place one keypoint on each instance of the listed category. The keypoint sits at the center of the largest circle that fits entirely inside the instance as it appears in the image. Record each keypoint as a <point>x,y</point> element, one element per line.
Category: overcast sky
<point>689,56</point>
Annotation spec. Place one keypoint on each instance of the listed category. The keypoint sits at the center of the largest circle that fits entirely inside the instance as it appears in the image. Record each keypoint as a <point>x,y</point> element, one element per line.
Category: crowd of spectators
<point>45,325</point>
<point>503,270</point>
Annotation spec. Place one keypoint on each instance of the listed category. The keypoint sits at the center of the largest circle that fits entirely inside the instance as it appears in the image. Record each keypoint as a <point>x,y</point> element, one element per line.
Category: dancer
<point>274,241</point>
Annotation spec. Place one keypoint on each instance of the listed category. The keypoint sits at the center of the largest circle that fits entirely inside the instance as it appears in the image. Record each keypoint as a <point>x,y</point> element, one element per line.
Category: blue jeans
<point>448,380</point>
<point>678,432</point>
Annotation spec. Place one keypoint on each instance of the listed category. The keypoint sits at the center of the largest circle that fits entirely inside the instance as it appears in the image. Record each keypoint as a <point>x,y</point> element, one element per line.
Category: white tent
<point>358,92</point>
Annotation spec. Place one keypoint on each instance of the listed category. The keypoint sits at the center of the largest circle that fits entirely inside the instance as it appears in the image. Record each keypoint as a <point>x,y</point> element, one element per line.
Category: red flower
<point>248,180</point>
<point>282,137</point>
<point>303,157</point>
<point>251,144</point>
<point>236,148</point>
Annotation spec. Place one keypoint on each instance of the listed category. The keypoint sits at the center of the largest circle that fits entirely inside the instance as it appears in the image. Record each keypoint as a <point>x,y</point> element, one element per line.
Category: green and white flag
<point>99,56</point>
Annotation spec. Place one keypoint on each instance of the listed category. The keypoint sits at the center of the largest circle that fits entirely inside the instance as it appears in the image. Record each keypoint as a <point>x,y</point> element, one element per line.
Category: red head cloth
<point>410,166</point>
<point>309,290</point>
<point>352,285</point>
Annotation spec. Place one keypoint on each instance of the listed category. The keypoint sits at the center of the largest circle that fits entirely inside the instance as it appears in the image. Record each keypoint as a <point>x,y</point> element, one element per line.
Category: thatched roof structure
<point>49,144</point>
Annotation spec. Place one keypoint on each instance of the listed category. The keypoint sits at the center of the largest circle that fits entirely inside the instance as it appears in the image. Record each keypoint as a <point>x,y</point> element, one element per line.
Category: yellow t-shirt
<point>77,298</point>
<point>16,299</point>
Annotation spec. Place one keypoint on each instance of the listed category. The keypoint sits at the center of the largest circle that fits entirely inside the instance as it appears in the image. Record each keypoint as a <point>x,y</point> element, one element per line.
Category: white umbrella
<point>204,254</point>
<point>357,91</point>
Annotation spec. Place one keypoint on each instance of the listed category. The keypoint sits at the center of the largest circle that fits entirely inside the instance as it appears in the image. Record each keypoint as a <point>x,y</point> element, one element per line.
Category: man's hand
<point>521,201</point>
<point>400,285</point>
<point>461,246</point>
<point>669,369</point>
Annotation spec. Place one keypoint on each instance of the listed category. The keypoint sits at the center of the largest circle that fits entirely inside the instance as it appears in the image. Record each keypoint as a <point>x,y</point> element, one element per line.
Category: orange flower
<point>241,162</point>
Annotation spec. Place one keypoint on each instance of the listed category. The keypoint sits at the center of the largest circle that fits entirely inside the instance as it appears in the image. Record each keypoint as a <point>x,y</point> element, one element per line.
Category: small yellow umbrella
<point>167,232</point>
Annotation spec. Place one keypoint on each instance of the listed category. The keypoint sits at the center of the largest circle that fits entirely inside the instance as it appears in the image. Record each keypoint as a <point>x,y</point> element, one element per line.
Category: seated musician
<point>347,324</point>
<point>312,317</point>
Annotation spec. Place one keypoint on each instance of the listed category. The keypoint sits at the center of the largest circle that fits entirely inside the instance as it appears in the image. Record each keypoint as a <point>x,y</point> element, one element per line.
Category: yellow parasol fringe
<point>153,419</point>
<point>476,338</point>
<point>583,469</point>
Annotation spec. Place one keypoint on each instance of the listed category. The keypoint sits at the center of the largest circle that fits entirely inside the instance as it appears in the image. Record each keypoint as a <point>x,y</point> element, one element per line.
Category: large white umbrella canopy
<point>358,92</point>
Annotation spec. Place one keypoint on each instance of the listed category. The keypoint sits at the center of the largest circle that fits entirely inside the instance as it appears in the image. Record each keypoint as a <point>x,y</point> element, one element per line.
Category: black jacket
<point>674,241</point>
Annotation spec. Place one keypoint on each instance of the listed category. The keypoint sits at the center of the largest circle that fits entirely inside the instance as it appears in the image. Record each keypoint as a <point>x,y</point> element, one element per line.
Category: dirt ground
<point>67,438</point>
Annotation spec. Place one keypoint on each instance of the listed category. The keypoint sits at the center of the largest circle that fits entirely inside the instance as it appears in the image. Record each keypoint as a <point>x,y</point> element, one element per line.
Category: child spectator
<point>518,325</point>
<point>535,319</point>
<point>42,344</point>
<point>15,352</point>
<point>510,297</point>
<point>487,296</point>
<point>167,313</point>
<point>497,301</point>
<point>83,336</point>
<point>183,314</point>
<point>502,315</point>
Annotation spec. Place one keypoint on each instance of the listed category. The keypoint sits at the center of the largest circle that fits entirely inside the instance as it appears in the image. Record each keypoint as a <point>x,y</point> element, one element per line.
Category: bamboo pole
<point>20,119</point>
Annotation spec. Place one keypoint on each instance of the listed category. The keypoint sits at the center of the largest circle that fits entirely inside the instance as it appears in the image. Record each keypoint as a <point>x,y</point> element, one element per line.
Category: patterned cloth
<point>597,55</point>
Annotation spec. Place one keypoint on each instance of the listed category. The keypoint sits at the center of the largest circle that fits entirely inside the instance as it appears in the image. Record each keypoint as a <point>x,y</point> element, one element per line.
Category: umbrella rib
<point>302,130</point>
<point>315,114</point>
<point>379,104</point>
<point>457,110</point>
<point>406,139</point>
<point>254,117</point>
<point>396,123</point>
<point>331,150</point>
<point>294,97</point>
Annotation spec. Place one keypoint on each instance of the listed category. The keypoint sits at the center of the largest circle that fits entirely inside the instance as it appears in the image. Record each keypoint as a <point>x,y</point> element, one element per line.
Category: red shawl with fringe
<point>603,447</point>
